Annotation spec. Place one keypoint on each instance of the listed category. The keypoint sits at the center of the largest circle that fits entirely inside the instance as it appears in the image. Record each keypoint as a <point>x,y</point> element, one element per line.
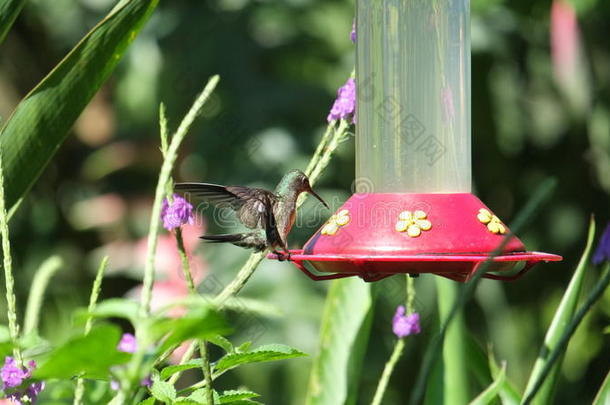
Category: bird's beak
<point>310,191</point>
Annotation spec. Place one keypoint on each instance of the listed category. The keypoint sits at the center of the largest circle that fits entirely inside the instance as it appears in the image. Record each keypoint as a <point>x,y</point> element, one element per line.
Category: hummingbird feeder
<point>413,211</point>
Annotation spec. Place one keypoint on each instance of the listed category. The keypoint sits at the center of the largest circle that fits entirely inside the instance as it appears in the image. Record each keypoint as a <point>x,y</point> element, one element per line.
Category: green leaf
<point>196,324</point>
<point>177,368</point>
<point>561,320</point>
<point>113,308</point>
<point>91,355</point>
<point>492,392</point>
<point>223,343</point>
<point>454,376</point>
<point>508,393</point>
<point>197,397</point>
<point>485,369</point>
<point>343,336</point>
<point>603,395</point>
<point>41,122</point>
<point>163,391</point>
<point>261,354</point>
<point>244,347</point>
<point>148,401</point>
<point>231,396</point>
<point>9,10</point>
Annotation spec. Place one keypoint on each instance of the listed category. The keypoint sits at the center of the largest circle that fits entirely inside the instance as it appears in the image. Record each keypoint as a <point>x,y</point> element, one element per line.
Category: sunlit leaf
<point>236,395</point>
<point>91,355</point>
<point>261,354</point>
<point>222,342</point>
<point>163,391</point>
<point>41,122</point>
<point>177,368</point>
<point>561,319</point>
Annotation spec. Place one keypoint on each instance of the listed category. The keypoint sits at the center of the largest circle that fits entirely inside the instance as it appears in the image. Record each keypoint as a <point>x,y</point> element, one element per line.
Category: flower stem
<point>44,274</point>
<point>9,281</point>
<point>164,176</point>
<point>203,348</point>
<point>398,348</point>
<point>387,372</point>
<point>95,293</point>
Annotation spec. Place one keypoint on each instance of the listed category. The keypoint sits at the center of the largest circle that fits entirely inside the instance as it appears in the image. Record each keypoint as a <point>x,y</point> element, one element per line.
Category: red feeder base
<point>374,236</point>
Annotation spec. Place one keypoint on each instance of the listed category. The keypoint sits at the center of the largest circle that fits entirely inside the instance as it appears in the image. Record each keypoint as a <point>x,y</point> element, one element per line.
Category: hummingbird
<point>270,215</point>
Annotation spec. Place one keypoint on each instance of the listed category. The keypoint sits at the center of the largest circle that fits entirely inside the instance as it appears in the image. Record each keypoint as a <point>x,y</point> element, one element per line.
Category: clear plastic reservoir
<point>413,103</point>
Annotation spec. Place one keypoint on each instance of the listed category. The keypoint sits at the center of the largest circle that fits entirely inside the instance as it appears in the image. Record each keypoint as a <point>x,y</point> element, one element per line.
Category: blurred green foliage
<point>281,63</point>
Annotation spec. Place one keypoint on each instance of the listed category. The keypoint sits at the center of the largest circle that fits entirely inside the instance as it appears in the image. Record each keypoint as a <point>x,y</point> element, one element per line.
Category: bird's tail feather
<point>250,240</point>
<point>235,237</point>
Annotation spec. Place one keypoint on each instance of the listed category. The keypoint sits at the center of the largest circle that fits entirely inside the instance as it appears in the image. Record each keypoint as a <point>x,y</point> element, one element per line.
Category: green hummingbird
<point>270,215</point>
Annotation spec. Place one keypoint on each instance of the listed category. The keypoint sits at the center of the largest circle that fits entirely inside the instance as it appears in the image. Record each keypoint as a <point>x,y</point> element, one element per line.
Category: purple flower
<point>177,214</point>
<point>345,104</point>
<point>602,253</point>
<point>128,343</point>
<point>12,375</point>
<point>35,388</point>
<point>353,33</point>
<point>146,382</point>
<point>405,325</point>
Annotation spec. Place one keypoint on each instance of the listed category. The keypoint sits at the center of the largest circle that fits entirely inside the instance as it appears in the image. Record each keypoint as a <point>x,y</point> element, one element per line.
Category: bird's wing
<point>246,201</point>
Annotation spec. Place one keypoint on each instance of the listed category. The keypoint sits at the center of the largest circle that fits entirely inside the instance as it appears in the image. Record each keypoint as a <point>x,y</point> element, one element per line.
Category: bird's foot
<point>282,256</point>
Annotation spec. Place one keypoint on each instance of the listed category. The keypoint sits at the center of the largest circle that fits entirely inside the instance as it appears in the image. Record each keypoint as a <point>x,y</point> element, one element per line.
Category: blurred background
<point>541,108</point>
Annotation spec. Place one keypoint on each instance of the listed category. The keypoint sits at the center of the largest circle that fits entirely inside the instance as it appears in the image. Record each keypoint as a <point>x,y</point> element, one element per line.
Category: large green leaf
<point>454,362</point>
<point>41,122</point>
<point>9,10</point>
<point>343,338</point>
<point>91,355</point>
<point>561,319</point>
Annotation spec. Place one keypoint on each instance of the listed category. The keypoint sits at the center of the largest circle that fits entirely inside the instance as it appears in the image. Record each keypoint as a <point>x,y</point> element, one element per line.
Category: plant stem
<point>9,281</point>
<point>95,293</point>
<point>32,312</point>
<point>398,347</point>
<point>320,148</point>
<point>387,372</point>
<point>164,176</point>
<point>241,278</point>
<point>186,266</point>
<point>203,349</point>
